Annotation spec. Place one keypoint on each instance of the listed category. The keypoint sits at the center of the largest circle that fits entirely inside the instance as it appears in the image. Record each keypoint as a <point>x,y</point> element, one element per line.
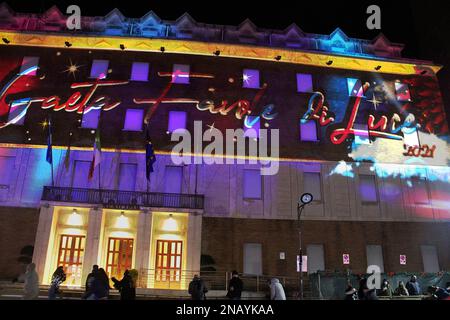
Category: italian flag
<point>97,155</point>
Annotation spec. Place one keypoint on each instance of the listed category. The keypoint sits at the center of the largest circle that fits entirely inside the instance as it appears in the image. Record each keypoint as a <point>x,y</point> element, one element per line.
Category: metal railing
<point>123,199</point>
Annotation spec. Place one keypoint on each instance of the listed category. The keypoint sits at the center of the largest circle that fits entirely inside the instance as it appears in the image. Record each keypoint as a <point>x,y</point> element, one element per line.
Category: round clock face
<point>306,198</point>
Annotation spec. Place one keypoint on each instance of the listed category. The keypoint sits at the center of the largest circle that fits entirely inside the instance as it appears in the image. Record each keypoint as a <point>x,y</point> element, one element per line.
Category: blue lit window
<point>99,69</point>
<point>304,83</point>
<point>308,131</point>
<point>177,120</point>
<point>368,189</point>
<point>250,79</point>
<point>252,184</point>
<point>252,124</point>
<point>355,88</point>
<point>29,66</point>
<point>90,119</point>
<point>133,120</point>
<point>139,71</point>
<point>180,73</point>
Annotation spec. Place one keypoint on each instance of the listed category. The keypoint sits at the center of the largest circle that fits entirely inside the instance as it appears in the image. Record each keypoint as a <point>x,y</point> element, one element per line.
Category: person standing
<point>31,288</point>
<point>276,290</point>
<point>235,286</point>
<point>401,290</point>
<point>413,287</point>
<point>126,286</point>
<point>385,290</point>
<point>197,288</point>
<point>90,279</point>
<point>58,277</point>
<point>351,294</point>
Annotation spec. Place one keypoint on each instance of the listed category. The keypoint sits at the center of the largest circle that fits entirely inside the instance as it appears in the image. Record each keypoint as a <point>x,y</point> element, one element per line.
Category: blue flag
<point>150,158</point>
<point>49,156</point>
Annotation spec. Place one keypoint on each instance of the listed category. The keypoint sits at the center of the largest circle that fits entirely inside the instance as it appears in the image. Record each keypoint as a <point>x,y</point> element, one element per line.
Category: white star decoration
<point>72,68</point>
<point>374,101</point>
<point>246,78</point>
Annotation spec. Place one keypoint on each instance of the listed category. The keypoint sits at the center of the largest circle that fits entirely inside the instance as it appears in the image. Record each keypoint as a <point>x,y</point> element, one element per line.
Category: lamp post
<point>305,199</point>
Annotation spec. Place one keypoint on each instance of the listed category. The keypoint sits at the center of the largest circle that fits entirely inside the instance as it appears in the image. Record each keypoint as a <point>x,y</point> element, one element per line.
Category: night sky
<point>421,25</point>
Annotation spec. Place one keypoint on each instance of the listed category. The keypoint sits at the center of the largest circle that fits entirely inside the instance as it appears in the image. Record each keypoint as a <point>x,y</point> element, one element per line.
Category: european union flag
<point>150,157</point>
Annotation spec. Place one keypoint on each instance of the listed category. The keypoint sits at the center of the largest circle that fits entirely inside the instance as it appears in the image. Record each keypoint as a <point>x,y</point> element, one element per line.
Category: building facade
<point>349,121</point>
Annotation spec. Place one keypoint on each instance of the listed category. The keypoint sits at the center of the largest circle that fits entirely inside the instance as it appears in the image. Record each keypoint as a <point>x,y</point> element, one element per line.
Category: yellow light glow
<point>170,224</point>
<point>122,222</point>
<point>75,219</point>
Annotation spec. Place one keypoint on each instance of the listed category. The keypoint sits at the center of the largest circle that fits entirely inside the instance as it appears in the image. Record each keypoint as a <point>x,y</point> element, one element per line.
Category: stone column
<point>93,241</point>
<point>143,246</point>
<point>194,244</point>
<point>44,237</point>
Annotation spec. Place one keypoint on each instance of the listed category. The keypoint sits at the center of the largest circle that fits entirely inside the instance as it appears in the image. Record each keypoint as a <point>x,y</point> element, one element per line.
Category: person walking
<point>59,276</point>
<point>413,286</point>
<point>197,288</point>
<point>126,286</point>
<point>235,286</point>
<point>31,288</point>
<point>401,291</point>
<point>276,290</point>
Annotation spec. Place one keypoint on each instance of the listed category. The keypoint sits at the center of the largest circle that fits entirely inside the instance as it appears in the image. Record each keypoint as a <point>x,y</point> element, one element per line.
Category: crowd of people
<point>97,284</point>
<point>411,288</point>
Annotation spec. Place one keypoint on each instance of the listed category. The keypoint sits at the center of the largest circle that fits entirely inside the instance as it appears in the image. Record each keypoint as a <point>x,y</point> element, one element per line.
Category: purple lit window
<point>355,88</point>
<point>308,131</point>
<point>17,112</point>
<point>402,92</point>
<point>139,71</point>
<point>90,119</point>
<point>29,66</point>
<point>133,120</point>
<point>127,176</point>
<point>180,73</point>
<point>250,79</point>
<point>312,183</point>
<point>252,184</point>
<point>252,125</point>
<point>367,188</point>
<point>177,120</point>
<point>304,82</point>
<point>99,69</point>
<point>173,178</point>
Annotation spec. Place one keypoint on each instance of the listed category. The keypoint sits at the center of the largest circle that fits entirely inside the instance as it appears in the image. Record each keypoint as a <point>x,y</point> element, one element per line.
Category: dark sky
<point>422,25</point>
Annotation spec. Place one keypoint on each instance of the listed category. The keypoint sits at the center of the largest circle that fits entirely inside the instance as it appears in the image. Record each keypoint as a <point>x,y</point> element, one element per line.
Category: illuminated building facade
<point>360,128</point>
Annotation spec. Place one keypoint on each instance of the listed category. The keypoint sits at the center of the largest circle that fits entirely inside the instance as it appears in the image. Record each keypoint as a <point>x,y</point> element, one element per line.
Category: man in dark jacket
<point>90,278</point>
<point>197,288</point>
<point>125,286</point>
<point>413,286</point>
<point>235,287</point>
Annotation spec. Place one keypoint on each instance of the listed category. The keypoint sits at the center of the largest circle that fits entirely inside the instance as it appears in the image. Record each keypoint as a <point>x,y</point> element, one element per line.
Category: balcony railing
<point>116,199</point>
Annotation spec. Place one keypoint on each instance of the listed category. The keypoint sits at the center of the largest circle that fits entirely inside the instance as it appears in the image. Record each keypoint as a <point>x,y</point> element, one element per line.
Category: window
<point>252,184</point>
<point>80,174</point>
<point>177,120</point>
<point>402,91</point>
<point>430,259</point>
<point>308,131</point>
<point>355,88</point>
<point>134,119</point>
<point>312,184</point>
<point>304,83</point>
<point>253,258</point>
<point>252,125</point>
<point>180,73</point>
<point>250,79</point>
<point>173,177</point>
<point>139,71</point>
<point>17,112</point>
<point>29,66</point>
<point>419,190</point>
<point>367,188</point>
<point>375,256</point>
<point>127,176</point>
<point>316,260</point>
<point>99,69</point>
<point>90,119</point>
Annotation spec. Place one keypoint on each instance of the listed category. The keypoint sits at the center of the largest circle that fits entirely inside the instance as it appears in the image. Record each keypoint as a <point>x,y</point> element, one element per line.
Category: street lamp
<point>305,199</point>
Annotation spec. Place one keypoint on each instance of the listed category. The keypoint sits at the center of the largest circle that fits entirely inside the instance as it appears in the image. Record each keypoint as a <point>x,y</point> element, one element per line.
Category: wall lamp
<point>377,68</point>
<point>162,49</point>
<point>122,47</point>
<point>68,44</point>
<point>278,58</point>
<point>329,63</point>
<point>5,40</point>
<point>217,53</point>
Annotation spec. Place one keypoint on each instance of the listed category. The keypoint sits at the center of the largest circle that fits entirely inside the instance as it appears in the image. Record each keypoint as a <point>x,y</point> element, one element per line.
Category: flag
<point>97,154</point>
<point>149,155</point>
<point>67,157</point>
<point>49,156</point>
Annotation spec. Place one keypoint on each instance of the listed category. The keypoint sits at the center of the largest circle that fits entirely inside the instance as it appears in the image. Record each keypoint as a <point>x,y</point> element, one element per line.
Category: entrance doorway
<point>70,257</point>
<point>119,257</point>
<point>168,264</point>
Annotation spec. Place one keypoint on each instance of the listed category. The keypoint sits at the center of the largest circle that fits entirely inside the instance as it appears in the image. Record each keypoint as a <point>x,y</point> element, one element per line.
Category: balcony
<point>124,200</point>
